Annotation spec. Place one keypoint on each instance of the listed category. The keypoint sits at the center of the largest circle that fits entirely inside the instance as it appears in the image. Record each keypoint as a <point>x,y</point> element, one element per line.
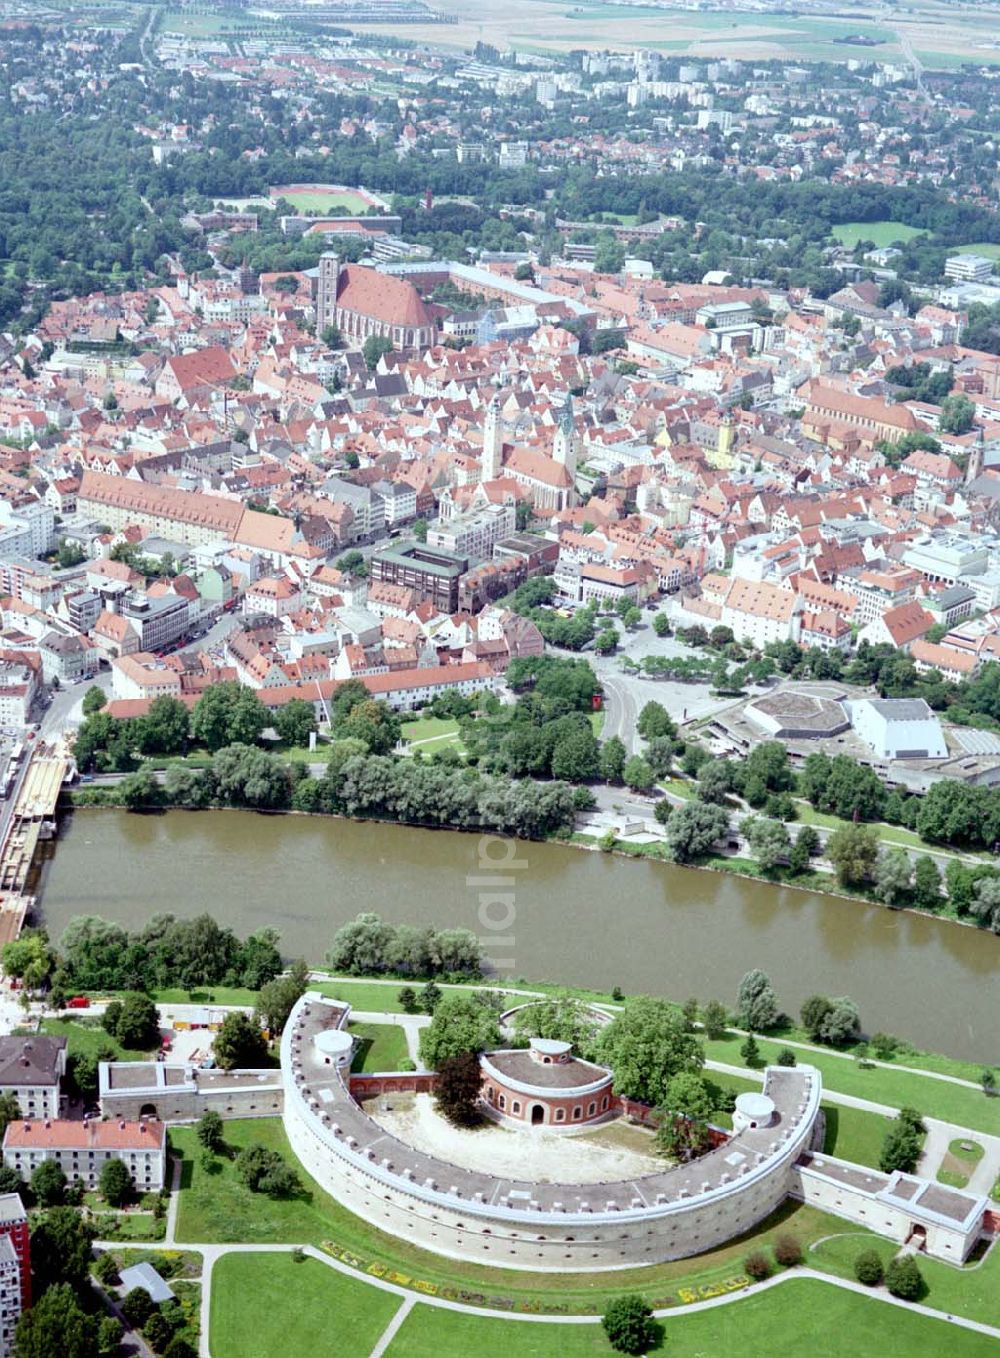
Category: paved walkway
<point>212,1253</point>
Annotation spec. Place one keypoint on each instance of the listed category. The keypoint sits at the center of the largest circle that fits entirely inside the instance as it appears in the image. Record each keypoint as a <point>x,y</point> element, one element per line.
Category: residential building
<point>31,1069</point>
<point>10,1293</point>
<point>759,613</point>
<point>14,1228</point>
<point>82,1149</point>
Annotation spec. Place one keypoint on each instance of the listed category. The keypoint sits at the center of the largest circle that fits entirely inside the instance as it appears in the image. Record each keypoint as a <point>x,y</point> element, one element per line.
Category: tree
<point>903,1278</point>
<point>48,1184</point>
<point>239,1043</point>
<point>264,1171</point>
<point>138,1023</point>
<point>646,1045</point>
<point>279,997</point>
<point>750,1051</point>
<point>788,1251</point>
<point>139,790</point>
<point>210,1131</point>
<point>56,1324</point>
<point>655,720</point>
<point>715,781</point>
<point>558,1017</point>
<point>769,841</point>
<point>715,1020</point>
<point>115,1182</point>
<point>407,998</point>
<point>93,700</point>
<point>661,625</point>
<point>613,759</point>
<point>853,851</point>
<point>813,1014</point>
<point>166,726</point>
<point>457,1089</point>
<point>373,349</point>
<point>927,883</point>
<point>638,775</point>
<point>109,1335</point>
<point>786,1057</point>
<point>228,714</point>
<point>868,1268</point>
<point>60,1249</point>
<point>295,722</point>
<point>137,1306</point>
<point>629,1326</point>
<point>430,997</point>
<point>246,776</point>
<point>756,1002</point>
<point>893,876</point>
<point>841,1023</point>
<point>179,1347</point>
<point>332,337</point>
<point>693,830</point>
<point>902,1144</point>
<point>361,947</point>
<point>156,1332</point>
<point>985,904</point>
<point>461,1024</point>
<point>957,414</point>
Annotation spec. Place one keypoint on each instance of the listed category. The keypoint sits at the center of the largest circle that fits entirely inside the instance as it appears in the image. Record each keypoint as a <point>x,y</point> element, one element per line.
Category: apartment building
<point>82,1149</point>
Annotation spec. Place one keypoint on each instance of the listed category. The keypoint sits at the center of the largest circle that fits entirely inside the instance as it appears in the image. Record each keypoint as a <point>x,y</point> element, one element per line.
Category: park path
<point>411,1025</point>
<point>212,1253</point>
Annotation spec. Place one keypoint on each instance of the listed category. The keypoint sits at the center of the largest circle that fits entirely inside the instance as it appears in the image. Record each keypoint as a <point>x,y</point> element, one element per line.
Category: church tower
<point>492,459</point>
<point>564,443</point>
<point>976,455</point>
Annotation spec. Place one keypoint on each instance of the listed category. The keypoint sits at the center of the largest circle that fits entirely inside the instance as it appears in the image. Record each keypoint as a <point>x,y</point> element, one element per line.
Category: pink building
<point>547,1085</point>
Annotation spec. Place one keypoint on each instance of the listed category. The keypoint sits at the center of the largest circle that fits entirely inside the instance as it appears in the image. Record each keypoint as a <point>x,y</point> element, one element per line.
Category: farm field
<point>882,233</point>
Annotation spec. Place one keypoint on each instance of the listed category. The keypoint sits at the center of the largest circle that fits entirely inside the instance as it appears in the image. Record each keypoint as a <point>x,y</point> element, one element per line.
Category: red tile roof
<point>381,296</point>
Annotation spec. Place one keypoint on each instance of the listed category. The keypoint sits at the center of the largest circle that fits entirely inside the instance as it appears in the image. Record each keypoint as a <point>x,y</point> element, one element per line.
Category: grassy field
<point>962,1158</point>
<point>215,1207</point>
<point>381,1046</point>
<point>985,248</point>
<point>882,233</point>
<point>971,1291</point>
<point>265,1304</point>
<point>327,201</point>
<point>429,734</point>
<point>825,1323</point>
<point>217,994</point>
<point>898,1088</point>
<point>87,1038</point>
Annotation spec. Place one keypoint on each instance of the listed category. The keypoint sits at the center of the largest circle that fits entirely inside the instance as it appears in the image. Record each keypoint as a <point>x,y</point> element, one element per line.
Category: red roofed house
<point>362,302</point>
<point>185,373</point>
<point>81,1149</point>
<point>899,626</point>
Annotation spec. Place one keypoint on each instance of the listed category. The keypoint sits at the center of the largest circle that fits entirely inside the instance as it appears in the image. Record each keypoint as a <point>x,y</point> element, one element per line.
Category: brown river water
<point>558,914</point>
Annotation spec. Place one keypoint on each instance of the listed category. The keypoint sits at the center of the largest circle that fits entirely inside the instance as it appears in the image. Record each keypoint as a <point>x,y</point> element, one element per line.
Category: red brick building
<point>547,1085</point>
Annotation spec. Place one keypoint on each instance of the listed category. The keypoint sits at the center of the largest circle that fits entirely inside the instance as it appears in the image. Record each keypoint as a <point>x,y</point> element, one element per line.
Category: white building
<point>82,1149</point>
<point>899,728</point>
<point>968,268</point>
<point>31,1069</point>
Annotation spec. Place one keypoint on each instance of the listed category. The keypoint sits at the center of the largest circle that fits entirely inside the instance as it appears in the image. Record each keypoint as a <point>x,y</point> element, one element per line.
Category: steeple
<point>976,455</point>
<point>492,459</point>
<point>564,443</point>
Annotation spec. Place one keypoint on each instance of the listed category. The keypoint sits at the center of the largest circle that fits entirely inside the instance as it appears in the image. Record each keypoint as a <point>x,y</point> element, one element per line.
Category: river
<point>576,918</point>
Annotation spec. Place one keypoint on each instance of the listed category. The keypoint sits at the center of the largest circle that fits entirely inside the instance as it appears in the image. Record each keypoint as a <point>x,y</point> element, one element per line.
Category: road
<point>627,694</point>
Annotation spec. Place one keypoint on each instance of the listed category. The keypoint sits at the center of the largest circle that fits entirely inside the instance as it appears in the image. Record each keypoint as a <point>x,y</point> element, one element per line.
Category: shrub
<point>903,1278</point>
<point>788,1251</point>
<point>407,998</point>
<point>786,1057</point>
<point>750,1052</point>
<point>868,1268</point>
<point>106,1270</point>
<point>407,1064</point>
<point>628,1323</point>
<point>138,1306</point>
<point>757,1266</point>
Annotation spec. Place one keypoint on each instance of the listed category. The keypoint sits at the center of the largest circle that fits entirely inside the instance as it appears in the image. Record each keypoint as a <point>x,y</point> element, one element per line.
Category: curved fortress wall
<point>466,1214</point>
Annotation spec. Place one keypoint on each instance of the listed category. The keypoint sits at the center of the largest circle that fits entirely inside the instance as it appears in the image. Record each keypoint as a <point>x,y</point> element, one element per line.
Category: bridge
<point>29,818</point>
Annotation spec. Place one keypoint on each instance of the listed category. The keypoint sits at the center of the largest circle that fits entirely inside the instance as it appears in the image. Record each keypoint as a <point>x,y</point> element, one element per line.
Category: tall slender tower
<point>492,459</point>
<point>976,458</point>
<point>326,290</point>
<point>564,443</point>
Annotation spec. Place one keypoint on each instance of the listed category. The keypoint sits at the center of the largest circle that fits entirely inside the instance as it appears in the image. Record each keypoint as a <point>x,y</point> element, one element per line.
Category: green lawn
<point>215,1207</point>
<point>266,1304</point>
<point>217,994</point>
<point>882,233</point>
<point>971,1291</point>
<point>985,248</point>
<point>898,1088</point>
<point>87,1037</point>
<point>326,201</point>
<point>430,734</point>
<point>381,1046</point>
<point>958,1165</point>
<point>803,1316</point>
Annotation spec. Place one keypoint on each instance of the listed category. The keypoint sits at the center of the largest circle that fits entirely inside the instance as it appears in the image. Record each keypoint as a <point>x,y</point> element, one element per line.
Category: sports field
<point>882,233</point>
<point>324,200</point>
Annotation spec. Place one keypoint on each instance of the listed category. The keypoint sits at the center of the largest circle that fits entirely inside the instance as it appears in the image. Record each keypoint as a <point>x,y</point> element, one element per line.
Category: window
<point>577,1112</point>
<point>591,1109</point>
<point>515,1106</point>
<point>560,1115</point>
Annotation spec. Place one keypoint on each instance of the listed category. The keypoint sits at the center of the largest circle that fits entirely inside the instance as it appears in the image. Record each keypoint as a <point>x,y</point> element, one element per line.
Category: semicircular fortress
<point>467,1214</point>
